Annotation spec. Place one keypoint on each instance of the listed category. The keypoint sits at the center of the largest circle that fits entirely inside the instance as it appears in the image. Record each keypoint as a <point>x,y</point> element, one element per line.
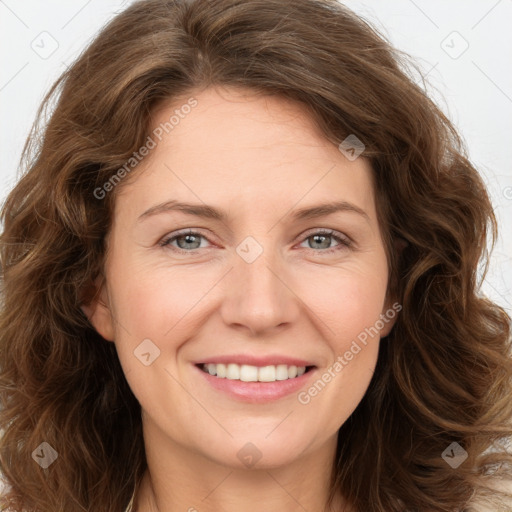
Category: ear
<point>96,307</point>
<point>389,316</point>
<point>400,244</point>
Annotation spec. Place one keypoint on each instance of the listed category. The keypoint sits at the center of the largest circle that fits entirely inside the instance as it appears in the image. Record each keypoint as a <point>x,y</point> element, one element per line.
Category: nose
<point>259,296</point>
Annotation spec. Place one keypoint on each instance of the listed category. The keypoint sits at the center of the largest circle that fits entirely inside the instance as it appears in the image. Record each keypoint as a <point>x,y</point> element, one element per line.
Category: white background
<point>474,89</point>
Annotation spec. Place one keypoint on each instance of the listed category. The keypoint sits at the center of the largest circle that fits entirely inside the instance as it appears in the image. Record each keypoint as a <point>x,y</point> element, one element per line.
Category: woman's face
<point>255,290</point>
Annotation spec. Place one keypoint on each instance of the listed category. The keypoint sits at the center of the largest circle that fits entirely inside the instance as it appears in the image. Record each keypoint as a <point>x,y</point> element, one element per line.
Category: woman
<point>321,345</point>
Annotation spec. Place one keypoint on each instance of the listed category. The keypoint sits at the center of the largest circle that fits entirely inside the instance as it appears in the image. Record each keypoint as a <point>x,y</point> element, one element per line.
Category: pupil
<point>189,239</point>
<point>317,237</point>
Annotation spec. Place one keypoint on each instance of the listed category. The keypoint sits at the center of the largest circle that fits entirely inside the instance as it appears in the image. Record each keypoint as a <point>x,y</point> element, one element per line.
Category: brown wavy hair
<point>444,373</point>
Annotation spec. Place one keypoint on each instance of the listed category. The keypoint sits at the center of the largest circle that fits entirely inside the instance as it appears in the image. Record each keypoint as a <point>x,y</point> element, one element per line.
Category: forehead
<point>237,148</point>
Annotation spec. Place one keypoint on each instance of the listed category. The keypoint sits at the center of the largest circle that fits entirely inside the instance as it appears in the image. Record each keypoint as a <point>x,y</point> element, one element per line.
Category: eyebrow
<point>209,212</point>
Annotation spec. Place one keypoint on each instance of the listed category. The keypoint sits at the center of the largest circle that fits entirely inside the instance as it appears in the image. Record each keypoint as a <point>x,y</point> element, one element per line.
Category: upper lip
<point>269,360</point>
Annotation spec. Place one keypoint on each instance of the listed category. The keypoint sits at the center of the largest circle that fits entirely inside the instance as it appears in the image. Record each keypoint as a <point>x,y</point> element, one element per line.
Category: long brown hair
<point>444,372</point>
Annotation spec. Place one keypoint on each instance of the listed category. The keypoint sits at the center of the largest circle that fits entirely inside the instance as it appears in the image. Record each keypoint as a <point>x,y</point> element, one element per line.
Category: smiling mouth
<point>249,373</point>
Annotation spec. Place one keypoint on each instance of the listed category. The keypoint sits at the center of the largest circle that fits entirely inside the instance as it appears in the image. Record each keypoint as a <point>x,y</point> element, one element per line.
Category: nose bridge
<point>257,297</point>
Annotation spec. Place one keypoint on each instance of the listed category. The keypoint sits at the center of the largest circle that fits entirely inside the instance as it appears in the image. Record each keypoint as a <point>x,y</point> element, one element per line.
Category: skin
<point>259,159</point>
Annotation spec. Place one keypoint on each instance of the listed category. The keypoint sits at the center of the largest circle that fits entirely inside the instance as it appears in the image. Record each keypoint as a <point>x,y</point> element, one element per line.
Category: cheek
<point>347,300</point>
<point>153,299</point>
<point>349,314</point>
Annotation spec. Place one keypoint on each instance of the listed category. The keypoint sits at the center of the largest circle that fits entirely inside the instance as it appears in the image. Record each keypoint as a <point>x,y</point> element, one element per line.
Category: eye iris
<point>188,239</point>
<point>324,237</point>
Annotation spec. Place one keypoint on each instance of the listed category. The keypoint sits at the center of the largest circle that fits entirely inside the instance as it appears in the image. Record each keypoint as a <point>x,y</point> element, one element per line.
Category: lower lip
<point>257,392</point>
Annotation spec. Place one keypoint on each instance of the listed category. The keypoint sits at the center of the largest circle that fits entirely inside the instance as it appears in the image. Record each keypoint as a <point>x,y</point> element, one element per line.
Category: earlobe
<point>400,244</point>
<point>389,317</point>
<point>96,307</point>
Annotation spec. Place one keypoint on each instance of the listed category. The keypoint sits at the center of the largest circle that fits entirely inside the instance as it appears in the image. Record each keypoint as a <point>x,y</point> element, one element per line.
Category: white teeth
<point>248,373</point>
<point>282,372</point>
<point>233,372</point>
<point>292,372</point>
<point>221,370</point>
<point>267,374</point>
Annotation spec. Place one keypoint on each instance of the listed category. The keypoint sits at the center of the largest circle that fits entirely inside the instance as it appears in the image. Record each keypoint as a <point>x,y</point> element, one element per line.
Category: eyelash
<point>344,242</point>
